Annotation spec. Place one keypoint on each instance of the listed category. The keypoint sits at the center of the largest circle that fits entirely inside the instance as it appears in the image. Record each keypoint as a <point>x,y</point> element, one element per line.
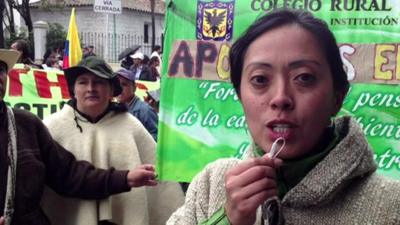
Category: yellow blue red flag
<point>73,50</point>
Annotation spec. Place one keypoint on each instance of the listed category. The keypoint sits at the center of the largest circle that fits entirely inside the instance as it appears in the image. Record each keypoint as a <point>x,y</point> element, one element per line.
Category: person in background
<point>127,62</point>
<point>96,129</point>
<point>59,53</point>
<point>23,48</point>
<point>30,159</point>
<point>141,71</point>
<point>288,74</point>
<point>146,60</point>
<point>125,57</point>
<point>136,107</point>
<point>52,63</point>
<point>52,60</point>
<point>157,53</point>
<point>88,51</point>
<point>47,54</point>
<point>153,64</point>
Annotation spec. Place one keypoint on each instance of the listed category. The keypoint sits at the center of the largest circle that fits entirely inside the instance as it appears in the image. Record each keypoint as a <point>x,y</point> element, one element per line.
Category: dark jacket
<point>145,74</point>
<point>42,161</point>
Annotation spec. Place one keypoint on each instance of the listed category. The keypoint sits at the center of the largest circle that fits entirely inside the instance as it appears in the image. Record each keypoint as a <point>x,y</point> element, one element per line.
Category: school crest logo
<point>215,20</point>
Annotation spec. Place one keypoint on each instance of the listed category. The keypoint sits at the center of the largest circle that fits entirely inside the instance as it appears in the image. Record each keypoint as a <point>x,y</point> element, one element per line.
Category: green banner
<point>39,91</point>
<point>201,118</point>
<point>376,108</point>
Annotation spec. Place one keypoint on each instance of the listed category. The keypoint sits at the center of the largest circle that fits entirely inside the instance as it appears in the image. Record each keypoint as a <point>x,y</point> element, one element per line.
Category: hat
<point>137,55</point>
<point>128,74</point>
<point>96,66</point>
<point>155,94</point>
<point>9,57</point>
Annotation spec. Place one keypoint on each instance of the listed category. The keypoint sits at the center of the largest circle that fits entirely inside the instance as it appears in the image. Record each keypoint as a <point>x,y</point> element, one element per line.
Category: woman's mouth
<point>280,129</point>
<point>92,98</point>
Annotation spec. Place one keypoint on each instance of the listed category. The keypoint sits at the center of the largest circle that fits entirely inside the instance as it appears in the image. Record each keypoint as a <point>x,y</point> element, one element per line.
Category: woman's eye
<point>259,80</point>
<point>82,82</point>
<point>306,78</point>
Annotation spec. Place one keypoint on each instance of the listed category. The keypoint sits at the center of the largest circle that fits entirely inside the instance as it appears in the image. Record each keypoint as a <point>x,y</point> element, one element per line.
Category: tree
<point>2,7</point>
<point>23,9</point>
<point>9,14</point>
<point>16,36</point>
<point>55,36</point>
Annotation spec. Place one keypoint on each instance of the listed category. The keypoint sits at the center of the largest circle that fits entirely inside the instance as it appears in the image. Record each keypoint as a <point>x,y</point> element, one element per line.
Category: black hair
<point>47,54</point>
<point>4,65</point>
<point>22,46</point>
<point>156,48</point>
<point>153,60</point>
<point>145,60</point>
<point>317,27</point>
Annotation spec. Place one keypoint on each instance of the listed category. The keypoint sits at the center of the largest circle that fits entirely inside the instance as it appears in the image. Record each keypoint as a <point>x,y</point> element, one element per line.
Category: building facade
<point>108,33</point>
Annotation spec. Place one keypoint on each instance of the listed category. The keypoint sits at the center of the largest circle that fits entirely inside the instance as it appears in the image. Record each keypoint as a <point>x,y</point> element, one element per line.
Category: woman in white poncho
<point>100,131</point>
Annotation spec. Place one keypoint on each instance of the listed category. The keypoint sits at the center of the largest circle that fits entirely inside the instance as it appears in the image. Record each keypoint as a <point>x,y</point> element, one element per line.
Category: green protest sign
<point>39,91</point>
<point>201,118</point>
<point>376,108</point>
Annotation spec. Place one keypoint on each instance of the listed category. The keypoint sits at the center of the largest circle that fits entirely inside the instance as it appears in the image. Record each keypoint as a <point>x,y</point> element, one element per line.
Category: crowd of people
<point>141,68</point>
<point>145,67</point>
<point>286,70</point>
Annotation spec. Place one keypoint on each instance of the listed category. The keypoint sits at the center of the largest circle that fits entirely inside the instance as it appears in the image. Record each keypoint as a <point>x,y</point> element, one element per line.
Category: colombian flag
<point>73,50</point>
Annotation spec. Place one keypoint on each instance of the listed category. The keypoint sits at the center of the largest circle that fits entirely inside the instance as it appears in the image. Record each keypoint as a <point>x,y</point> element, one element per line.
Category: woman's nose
<point>90,86</point>
<point>282,98</point>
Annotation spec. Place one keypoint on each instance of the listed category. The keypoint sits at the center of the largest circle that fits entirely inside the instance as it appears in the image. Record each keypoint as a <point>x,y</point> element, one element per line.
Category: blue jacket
<point>145,114</point>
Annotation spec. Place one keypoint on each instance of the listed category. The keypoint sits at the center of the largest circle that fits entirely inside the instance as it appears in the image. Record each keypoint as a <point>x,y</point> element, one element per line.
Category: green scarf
<point>293,171</point>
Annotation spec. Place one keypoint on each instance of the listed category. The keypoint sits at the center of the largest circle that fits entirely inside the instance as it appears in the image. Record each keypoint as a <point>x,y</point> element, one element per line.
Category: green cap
<point>95,65</point>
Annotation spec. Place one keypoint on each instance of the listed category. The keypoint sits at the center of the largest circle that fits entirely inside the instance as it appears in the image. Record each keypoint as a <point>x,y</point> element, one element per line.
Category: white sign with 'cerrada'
<point>108,6</point>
